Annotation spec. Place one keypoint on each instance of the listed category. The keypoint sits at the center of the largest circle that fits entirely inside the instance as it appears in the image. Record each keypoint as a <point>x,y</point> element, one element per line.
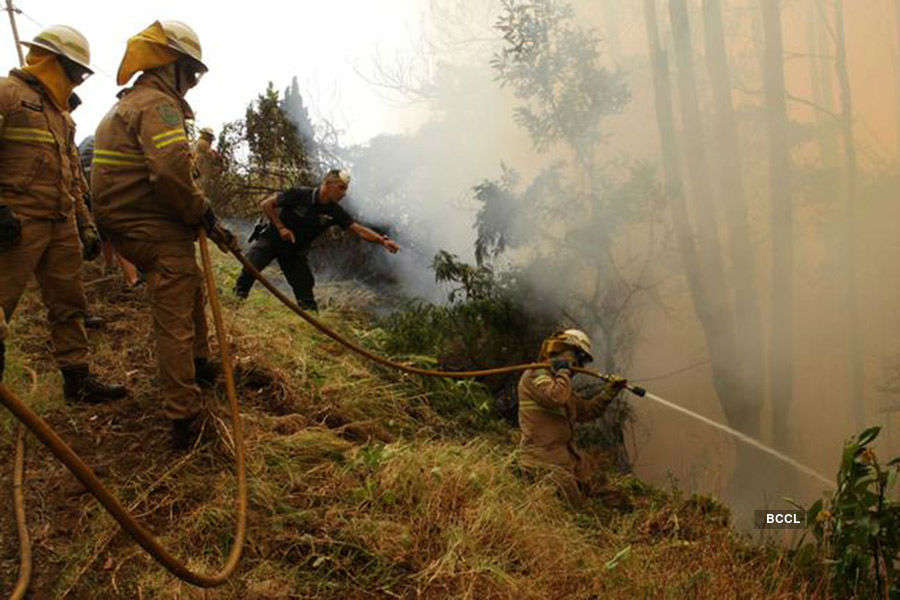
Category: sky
<point>245,47</point>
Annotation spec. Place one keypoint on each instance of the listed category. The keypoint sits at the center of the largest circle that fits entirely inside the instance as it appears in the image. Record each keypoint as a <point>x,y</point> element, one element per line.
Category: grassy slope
<point>363,484</point>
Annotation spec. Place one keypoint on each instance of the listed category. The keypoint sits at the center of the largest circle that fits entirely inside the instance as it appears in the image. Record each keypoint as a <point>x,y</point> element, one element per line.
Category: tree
<point>850,193</point>
<point>748,323</point>
<point>567,219</point>
<point>781,338</point>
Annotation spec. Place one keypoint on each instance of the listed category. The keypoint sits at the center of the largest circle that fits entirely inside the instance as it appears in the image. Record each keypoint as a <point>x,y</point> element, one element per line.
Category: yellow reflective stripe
<point>116,161</point>
<point>29,130</point>
<point>28,138</point>
<point>118,154</point>
<point>529,405</point>
<point>164,134</point>
<point>28,134</point>
<point>180,138</point>
<point>542,379</point>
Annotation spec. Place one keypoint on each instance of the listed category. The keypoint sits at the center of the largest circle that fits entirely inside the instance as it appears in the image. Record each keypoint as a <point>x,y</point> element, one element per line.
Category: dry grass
<point>363,484</point>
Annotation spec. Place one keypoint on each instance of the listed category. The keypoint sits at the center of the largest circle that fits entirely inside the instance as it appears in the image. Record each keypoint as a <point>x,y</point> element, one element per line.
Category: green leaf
<point>868,435</point>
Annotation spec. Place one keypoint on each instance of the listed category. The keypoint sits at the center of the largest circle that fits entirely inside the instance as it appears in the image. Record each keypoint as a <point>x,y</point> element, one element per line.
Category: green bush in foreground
<point>858,528</point>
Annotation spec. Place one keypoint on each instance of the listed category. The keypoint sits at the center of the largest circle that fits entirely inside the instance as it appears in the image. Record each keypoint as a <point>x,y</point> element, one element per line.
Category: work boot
<point>184,433</point>
<point>241,292</point>
<point>80,386</point>
<point>2,359</point>
<point>309,305</point>
<point>94,322</point>
<point>206,372</point>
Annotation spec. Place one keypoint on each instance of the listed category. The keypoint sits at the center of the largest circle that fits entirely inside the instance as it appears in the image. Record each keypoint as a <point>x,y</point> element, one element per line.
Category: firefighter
<point>133,279</point>
<point>206,160</point>
<point>45,228</point>
<point>549,410</point>
<point>294,218</point>
<point>147,203</point>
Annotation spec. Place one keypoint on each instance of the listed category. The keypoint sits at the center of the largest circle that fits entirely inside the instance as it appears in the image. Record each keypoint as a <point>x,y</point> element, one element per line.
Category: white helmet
<point>65,41</point>
<point>182,38</point>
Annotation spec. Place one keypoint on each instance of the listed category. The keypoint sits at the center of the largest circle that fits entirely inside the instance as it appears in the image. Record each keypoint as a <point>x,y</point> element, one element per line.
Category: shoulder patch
<point>169,114</point>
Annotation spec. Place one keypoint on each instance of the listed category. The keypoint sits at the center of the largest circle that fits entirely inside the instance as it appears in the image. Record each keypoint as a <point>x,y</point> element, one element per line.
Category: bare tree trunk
<point>781,340</point>
<point>748,322</point>
<point>716,310</point>
<point>820,72</point>
<point>851,308</point>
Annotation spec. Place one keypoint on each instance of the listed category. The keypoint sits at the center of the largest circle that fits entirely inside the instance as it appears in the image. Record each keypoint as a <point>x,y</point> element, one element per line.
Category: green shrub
<point>858,528</point>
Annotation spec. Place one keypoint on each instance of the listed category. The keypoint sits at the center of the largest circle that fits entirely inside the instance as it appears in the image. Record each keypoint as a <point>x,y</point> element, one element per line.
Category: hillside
<point>363,483</point>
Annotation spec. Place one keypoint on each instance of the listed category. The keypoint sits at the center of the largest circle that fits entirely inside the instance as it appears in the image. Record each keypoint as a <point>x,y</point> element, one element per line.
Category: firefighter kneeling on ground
<point>549,410</point>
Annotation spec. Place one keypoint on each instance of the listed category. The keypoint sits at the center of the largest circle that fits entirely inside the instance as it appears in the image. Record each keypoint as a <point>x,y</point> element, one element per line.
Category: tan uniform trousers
<point>177,304</point>
<point>51,251</point>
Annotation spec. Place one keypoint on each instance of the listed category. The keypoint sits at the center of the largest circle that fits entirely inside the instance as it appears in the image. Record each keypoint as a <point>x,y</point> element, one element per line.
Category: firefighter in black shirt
<point>296,217</point>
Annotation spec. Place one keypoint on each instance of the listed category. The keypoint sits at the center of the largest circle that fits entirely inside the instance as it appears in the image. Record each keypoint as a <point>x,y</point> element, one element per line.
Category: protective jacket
<point>141,175</point>
<point>548,411</point>
<point>40,177</point>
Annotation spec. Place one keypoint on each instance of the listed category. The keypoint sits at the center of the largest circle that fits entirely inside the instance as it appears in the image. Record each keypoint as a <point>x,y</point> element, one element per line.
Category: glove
<point>90,242</point>
<point>560,364</point>
<point>10,229</point>
<point>617,382</point>
<point>218,233</point>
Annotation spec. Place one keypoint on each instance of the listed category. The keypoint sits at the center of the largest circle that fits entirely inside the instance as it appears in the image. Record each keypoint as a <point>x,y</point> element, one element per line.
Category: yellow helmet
<point>570,339</point>
<point>65,41</point>
<point>182,38</point>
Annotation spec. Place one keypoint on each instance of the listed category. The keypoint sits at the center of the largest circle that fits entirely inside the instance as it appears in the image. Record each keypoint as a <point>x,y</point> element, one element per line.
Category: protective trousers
<point>293,262</point>
<point>51,251</point>
<point>177,303</point>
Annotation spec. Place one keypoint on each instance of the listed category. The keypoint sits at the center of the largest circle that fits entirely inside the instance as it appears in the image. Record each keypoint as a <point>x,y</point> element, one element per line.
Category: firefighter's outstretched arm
<point>373,236</point>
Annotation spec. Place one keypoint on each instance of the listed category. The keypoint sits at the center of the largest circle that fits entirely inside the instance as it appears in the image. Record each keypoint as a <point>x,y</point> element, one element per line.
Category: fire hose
<point>638,391</point>
<point>42,430</point>
<point>142,536</point>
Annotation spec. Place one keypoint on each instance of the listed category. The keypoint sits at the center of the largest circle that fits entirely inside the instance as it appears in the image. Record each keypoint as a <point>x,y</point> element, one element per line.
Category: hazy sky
<point>319,42</point>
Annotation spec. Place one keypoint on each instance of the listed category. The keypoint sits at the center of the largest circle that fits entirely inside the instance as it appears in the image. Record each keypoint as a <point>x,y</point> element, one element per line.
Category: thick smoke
<point>629,271</point>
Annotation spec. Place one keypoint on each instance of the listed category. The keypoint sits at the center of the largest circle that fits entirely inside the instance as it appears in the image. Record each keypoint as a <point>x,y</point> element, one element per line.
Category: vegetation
<point>858,527</point>
<point>364,483</point>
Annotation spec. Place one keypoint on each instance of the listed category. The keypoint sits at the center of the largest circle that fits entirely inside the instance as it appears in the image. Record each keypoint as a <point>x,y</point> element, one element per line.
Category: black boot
<point>80,386</point>
<point>184,433</point>
<point>206,372</point>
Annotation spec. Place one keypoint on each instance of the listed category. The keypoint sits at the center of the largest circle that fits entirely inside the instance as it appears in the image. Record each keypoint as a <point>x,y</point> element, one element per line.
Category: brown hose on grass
<point>638,391</point>
<point>19,505</point>
<point>116,509</point>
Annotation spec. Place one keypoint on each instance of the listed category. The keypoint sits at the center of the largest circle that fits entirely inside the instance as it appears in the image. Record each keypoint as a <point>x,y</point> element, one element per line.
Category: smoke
<point>592,229</point>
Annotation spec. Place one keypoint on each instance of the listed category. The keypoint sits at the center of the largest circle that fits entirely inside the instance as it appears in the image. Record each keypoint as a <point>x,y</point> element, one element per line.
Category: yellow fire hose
<point>126,521</point>
<point>113,506</point>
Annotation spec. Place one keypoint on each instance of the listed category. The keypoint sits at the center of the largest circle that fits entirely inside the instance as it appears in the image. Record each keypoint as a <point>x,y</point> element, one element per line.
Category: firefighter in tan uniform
<point>549,410</point>
<point>147,203</point>
<point>42,211</point>
<point>206,160</point>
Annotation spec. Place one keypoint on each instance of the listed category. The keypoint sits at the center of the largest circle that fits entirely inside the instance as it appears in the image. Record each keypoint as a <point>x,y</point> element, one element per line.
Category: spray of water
<point>744,438</point>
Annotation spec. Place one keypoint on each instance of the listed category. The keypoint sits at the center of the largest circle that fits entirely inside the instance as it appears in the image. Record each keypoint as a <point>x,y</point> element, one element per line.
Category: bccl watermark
<point>779,519</point>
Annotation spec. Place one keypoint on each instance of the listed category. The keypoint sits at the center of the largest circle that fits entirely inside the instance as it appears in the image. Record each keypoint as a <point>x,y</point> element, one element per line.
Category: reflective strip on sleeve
<point>177,138</point>
<point>165,138</point>
<point>27,134</point>
<point>112,157</point>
